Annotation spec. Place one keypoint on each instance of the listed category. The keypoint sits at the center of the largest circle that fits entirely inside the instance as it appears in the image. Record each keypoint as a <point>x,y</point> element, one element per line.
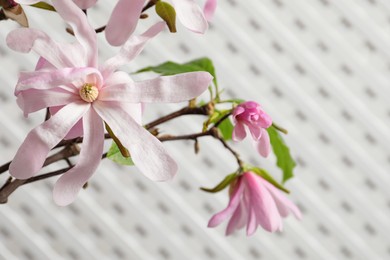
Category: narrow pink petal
<point>232,206</point>
<point>255,131</point>
<point>68,186</point>
<point>83,31</point>
<point>190,15</point>
<point>117,78</point>
<point>285,206</point>
<point>262,202</point>
<point>134,110</point>
<point>33,100</point>
<point>75,131</point>
<point>85,4</point>
<point>237,220</point>
<point>123,21</point>
<point>238,111</point>
<point>53,78</point>
<point>59,55</point>
<point>32,153</point>
<point>252,221</point>
<point>170,89</point>
<point>147,152</point>
<point>238,132</point>
<point>264,144</point>
<point>131,49</point>
<point>209,9</point>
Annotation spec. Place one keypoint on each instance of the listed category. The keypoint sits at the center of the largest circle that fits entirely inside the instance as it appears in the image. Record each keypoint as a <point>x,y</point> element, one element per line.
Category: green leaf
<point>114,154</point>
<point>226,128</point>
<point>44,6</point>
<point>265,175</point>
<point>284,160</point>
<point>223,184</point>
<point>168,14</point>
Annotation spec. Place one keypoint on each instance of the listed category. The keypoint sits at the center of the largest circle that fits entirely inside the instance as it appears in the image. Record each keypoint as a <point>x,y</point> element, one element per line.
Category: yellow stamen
<point>89,92</point>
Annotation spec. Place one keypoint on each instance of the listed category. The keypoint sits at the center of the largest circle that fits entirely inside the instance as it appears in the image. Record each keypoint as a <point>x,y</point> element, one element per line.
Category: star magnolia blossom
<point>251,115</point>
<point>253,202</point>
<point>69,79</point>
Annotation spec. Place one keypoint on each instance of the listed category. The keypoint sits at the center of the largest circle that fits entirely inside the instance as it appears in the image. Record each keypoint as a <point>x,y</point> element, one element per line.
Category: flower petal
<point>238,132</point>
<point>285,206</point>
<point>230,209</point>
<point>85,4</point>
<point>147,152</point>
<point>53,78</point>
<point>32,100</point>
<point>255,131</point>
<point>171,89</point>
<point>131,49</point>
<point>31,155</point>
<point>123,21</point>
<point>263,145</point>
<point>252,221</point>
<point>209,9</point>
<point>69,184</point>
<point>238,219</point>
<point>59,55</point>
<point>190,15</point>
<point>83,31</point>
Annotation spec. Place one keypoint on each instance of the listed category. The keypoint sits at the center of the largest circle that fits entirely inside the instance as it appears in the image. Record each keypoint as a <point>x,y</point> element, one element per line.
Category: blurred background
<point>320,68</point>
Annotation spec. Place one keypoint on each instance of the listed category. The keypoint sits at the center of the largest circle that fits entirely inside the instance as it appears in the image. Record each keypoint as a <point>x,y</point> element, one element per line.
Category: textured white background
<point>319,67</point>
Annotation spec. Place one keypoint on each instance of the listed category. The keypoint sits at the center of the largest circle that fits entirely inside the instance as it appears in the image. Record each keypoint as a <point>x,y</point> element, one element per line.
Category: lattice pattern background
<point>319,67</point>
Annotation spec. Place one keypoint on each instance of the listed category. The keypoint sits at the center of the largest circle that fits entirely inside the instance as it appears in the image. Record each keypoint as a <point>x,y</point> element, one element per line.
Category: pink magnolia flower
<point>69,80</point>
<point>251,115</point>
<point>253,202</point>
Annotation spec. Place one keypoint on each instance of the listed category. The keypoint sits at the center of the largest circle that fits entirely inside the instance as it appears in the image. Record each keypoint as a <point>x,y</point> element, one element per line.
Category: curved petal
<point>117,78</point>
<point>264,206</point>
<point>147,152</point>
<point>209,9</point>
<point>123,21</point>
<point>31,155</point>
<point>190,15</point>
<point>238,219</point>
<point>238,132</point>
<point>251,226</point>
<point>33,100</point>
<point>230,209</point>
<point>53,78</point>
<point>134,110</point>
<point>131,49</point>
<point>255,131</point>
<point>83,31</point>
<point>85,4</point>
<point>59,55</point>
<point>170,89</point>
<point>75,131</point>
<point>264,144</point>
<point>285,206</point>
<point>69,184</point>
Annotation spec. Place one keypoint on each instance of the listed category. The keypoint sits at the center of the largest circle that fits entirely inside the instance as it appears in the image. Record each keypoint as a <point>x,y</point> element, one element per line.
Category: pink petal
<point>147,152</point>
<point>32,153</point>
<point>285,206</point>
<point>75,131</point>
<point>255,131</point>
<point>117,78</point>
<point>252,221</point>
<point>209,9</point>
<point>190,15</point>
<point>33,100</point>
<point>238,111</point>
<point>134,110</point>
<point>264,144</point>
<point>262,202</point>
<point>59,55</point>
<point>131,49</point>
<point>230,209</point>
<point>123,21</point>
<point>238,219</point>
<point>53,78</point>
<point>85,4</point>
<point>83,31</point>
<point>238,132</point>
<point>170,89</point>
<point>70,183</point>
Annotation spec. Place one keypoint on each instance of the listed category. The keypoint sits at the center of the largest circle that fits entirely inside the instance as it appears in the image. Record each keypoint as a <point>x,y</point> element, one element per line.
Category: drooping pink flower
<point>251,115</point>
<point>253,202</point>
<point>69,79</point>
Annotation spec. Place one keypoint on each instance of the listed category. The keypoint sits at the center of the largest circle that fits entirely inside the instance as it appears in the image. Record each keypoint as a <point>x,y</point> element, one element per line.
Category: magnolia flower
<point>68,79</point>
<point>251,115</point>
<point>253,202</point>
<point>126,14</point>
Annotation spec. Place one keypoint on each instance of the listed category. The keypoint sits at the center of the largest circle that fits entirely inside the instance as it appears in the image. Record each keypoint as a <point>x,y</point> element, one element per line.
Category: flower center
<point>89,92</point>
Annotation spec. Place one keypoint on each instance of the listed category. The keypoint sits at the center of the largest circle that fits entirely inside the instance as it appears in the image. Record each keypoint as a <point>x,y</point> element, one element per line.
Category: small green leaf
<point>168,14</point>
<point>223,184</point>
<point>283,157</point>
<point>265,175</point>
<point>114,154</point>
<point>44,6</point>
<point>226,128</point>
